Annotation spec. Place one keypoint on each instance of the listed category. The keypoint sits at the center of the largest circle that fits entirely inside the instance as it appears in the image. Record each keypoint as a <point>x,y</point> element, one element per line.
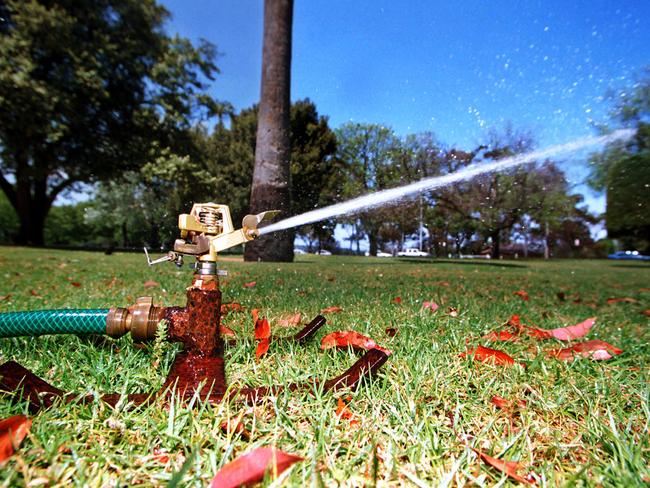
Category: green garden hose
<point>70,321</point>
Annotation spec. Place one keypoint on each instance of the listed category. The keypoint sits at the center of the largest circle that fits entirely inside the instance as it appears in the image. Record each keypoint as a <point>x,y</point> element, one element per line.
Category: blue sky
<point>454,68</point>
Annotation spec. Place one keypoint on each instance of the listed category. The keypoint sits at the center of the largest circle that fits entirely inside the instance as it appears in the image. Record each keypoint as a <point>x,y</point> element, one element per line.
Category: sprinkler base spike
<point>26,386</point>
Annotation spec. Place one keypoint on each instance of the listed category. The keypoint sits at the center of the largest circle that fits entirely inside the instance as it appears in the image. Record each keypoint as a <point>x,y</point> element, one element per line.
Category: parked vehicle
<point>299,251</point>
<point>324,252</point>
<point>412,252</point>
<point>380,254</point>
<point>634,255</point>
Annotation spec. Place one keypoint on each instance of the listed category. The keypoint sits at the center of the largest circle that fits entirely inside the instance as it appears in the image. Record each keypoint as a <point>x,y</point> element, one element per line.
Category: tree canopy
<point>89,90</point>
<point>622,170</point>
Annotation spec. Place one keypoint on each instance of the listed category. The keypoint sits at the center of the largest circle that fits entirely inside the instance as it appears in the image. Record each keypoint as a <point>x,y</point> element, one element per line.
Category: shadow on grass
<point>497,264</point>
<point>639,265</point>
<point>420,261</point>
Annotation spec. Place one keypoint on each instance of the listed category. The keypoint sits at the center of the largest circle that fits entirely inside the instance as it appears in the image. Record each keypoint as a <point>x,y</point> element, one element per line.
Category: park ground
<point>584,422</point>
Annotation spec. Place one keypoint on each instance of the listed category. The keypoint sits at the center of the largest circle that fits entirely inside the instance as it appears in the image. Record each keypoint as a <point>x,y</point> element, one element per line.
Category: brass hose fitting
<point>140,319</point>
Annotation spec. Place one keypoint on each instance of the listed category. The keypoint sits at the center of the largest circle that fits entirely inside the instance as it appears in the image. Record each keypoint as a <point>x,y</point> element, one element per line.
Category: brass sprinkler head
<point>208,230</point>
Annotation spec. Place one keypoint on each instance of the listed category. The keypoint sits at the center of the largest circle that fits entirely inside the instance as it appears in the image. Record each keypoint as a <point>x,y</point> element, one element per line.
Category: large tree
<point>315,171</point>
<point>492,204</point>
<point>623,169</point>
<point>271,188</point>
<point>89,89</point>
<point>370,152</point>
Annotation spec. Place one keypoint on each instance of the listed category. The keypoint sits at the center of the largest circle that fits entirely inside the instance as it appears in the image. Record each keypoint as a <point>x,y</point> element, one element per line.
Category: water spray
<point>396,194</point>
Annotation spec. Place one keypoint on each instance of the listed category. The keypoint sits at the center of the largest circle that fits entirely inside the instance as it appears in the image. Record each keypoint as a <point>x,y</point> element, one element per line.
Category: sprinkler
<point>199,369</point>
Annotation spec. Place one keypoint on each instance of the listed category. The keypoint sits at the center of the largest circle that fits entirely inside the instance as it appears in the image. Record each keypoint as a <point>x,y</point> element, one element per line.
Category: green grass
<point>586,422</point>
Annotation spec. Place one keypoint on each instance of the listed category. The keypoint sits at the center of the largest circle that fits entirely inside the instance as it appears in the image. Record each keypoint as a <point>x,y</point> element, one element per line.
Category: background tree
<point>623,169</point>
<point>85,89</point>
<point>491,205</point>
<point>315,171</point>
<point>369,152</point>
<point>271,188</point>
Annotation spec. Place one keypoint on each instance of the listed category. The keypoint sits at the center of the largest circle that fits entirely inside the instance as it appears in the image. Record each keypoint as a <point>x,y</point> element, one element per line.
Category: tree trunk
<point>32,225</point>
<point>546,250</point>
<point>271,176</point>
<point>496,244</point>
<point>372,238</point>
<point>32,206</point>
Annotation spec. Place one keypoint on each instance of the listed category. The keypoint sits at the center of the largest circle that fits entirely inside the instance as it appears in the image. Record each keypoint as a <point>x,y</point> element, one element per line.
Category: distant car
<point>412,253</point>
<point>380,254</point>
<point>629,255</point>
<point>299,251</point>
<point>324,252</point>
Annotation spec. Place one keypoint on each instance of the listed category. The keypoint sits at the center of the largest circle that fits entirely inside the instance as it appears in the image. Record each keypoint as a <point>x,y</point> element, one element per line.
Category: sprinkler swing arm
<point>199,369</point>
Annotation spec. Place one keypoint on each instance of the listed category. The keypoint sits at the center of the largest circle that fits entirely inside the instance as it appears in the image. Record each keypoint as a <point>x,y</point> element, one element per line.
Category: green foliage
<point>628,201</point>
<point>622,169</point>
<point>66,225</point>
<point>369,152</point>
<point>315,172</point>
<point>8,221</point>
<point>88,90</point>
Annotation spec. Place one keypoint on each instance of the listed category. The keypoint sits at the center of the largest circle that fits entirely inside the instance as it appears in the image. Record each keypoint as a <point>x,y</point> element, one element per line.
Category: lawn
<point>584,422</point>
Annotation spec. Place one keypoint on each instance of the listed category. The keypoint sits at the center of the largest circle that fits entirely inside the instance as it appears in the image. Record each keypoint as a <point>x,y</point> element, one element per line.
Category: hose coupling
<point>140,319</point>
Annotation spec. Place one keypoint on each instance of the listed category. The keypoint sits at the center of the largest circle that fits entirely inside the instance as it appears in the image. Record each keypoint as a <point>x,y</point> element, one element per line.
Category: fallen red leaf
<point>262,348</point>
<point>76,284</point>
<point>345,338</point>
<point>509,468</point>
<point>236,427</point>
<point>538,333</point>
<point>594,349</point>
<point>500,335</point>
<point>621,300</point>
<point>151,284</point>
<point>34,293</point>
<point>331,310</point>
<point>250,284</point>
<point>443,283</point>
<point>262,329</point>
<point>391,331</point>
<point>646,312</point>
<point>521,293</point>
<point>290,320</point>
<point>433,306</point>
<point>343,412</point>
<point>255,313</point>
<point>561,296</point>
<point>514,321</point>
<point>397,300</point>
<point>252,467</point>
<point>160,456</point>
<point>564,333</point>
<point>487,355</point>
<point>501,402</point>
<point>226,331</point>
<point>342,409</point>
<point>12,432</point>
